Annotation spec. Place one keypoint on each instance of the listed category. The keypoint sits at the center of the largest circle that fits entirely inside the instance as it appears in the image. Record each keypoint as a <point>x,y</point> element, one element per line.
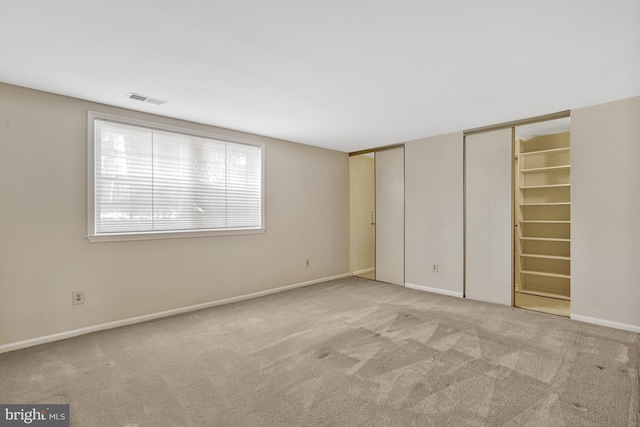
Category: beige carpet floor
<point>351,352</point>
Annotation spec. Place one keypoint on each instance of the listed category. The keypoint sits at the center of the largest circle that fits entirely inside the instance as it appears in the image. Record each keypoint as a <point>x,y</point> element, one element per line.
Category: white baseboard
<point>139,319</point>
<point>365,271</point>
<point>434,290</point>
<point>607,323</point>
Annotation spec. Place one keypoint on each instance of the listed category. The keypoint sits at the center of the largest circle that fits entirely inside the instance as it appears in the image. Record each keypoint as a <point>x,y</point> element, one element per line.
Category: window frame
<point>93,236</point>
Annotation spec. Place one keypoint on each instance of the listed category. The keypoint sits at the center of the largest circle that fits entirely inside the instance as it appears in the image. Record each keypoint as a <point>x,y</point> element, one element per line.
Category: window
<point>152,181</point>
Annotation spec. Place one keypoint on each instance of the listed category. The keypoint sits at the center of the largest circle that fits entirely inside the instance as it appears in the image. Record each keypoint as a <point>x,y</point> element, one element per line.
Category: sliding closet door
<point>489,217</point>
<point>390,216</point>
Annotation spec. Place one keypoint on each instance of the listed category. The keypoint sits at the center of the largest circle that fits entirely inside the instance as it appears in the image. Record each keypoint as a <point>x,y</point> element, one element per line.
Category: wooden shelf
<point>546,294</point>
<point>543,182</point>
<point>531,187</point>
<point>545,221</point>
<point>551,151</point>
<point>564,258</point>
<point>546,204</point>
<point>544,273</point>
<point>547,239</point>
<point>546,169</point>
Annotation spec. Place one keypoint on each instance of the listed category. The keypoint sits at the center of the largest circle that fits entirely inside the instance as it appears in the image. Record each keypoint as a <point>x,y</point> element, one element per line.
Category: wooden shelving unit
<point>543,216</point>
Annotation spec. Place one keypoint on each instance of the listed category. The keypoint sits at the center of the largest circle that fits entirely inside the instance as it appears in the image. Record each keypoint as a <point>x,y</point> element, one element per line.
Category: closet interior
<point>542,212</point>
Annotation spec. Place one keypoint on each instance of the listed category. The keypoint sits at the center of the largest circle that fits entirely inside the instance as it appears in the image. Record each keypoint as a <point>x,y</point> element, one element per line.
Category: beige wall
<point>605,213</point>
<point>44,254</point>
<point>434,213</point>
<point>362,200</point>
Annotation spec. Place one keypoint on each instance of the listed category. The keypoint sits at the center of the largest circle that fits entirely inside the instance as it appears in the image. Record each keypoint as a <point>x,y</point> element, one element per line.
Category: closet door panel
<point>390,216</point>
<point>489,217</point>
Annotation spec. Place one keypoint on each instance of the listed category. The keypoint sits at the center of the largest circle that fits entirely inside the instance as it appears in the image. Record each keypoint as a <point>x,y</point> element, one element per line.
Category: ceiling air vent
<point>144,98</point>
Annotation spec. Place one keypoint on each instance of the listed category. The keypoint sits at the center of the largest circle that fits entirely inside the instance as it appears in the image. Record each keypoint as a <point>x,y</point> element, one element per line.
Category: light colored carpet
<point>351,352</point>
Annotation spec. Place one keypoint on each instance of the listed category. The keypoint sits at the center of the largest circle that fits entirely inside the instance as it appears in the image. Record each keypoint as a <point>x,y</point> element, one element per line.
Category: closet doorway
<point>542,214</point>
<point>362,224</point>
<point>376,184</point>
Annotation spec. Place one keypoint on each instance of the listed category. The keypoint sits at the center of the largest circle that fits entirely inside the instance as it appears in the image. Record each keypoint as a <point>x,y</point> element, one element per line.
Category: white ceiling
<point>341,74</point>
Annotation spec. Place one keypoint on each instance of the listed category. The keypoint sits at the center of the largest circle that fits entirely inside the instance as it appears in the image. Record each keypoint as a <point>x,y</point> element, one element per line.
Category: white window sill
<point>122,237</point>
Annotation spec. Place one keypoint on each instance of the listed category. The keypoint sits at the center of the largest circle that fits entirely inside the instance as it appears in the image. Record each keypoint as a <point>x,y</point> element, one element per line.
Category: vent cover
<point>144,98</point>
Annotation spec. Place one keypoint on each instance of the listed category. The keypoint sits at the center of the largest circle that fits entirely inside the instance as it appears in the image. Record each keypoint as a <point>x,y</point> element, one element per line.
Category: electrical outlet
<point>434,268</point>
<point>77,297</point>
<point>307,263</point>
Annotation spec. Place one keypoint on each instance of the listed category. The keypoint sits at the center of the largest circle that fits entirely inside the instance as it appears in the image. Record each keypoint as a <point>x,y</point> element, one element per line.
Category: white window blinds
<point>149,180</point>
